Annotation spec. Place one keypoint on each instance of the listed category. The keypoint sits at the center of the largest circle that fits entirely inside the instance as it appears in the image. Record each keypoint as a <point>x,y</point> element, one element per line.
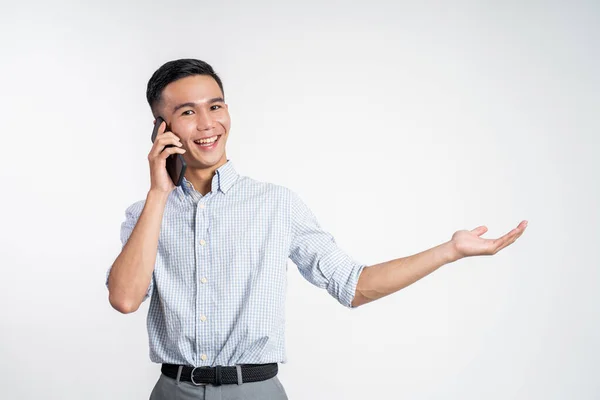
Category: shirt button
<point>203,280</point>
<point>203,357</point>
<point>202,205</point>
<point>202,242</point>
<point>203,318</point>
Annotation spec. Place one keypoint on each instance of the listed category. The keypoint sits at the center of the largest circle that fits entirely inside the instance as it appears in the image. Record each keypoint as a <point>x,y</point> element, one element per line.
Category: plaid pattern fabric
<point>219,283</point>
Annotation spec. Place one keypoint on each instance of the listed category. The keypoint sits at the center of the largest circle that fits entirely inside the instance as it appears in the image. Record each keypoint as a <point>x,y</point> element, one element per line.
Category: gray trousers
<point>170,389</point>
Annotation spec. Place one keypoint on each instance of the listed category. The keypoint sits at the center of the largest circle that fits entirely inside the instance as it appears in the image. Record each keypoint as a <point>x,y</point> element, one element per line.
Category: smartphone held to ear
<point>175,163</point>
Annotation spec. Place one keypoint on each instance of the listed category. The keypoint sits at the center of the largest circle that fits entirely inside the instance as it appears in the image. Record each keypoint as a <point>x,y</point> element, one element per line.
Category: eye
<point>215,107</point>
<point>187,112</point>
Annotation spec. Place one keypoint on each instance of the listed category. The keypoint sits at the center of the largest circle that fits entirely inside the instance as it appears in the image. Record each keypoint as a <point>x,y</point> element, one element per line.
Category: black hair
<point>175,70</point>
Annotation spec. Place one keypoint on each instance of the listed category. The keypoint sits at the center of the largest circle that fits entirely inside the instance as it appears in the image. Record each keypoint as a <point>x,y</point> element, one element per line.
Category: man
<point>212,253</point>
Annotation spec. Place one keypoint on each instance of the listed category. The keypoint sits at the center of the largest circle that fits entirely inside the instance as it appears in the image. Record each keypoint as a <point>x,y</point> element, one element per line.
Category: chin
<point>206,162</point>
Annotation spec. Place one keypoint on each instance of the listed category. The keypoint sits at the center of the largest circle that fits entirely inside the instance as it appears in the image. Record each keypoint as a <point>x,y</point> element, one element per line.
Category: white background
<point>397,122</point>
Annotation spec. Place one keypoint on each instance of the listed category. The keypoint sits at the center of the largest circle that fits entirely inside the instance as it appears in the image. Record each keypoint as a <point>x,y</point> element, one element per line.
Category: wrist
<point>451,253</point>
<point>157,195</point>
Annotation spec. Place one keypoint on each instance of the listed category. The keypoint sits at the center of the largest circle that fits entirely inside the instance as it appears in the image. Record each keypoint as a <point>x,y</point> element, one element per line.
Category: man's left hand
<point>470,243</point>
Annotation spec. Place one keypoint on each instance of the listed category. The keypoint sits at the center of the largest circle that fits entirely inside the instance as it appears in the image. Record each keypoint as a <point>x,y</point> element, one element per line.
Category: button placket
<point>203,296</point>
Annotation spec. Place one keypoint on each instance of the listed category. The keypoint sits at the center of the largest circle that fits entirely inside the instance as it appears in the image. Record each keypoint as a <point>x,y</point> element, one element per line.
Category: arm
<point>318,257</point>
<point>131,273</point>
<point>382,279</point>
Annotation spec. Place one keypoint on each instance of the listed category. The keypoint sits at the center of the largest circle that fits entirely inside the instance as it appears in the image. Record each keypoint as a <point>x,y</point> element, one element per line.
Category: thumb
<point>480,230</point>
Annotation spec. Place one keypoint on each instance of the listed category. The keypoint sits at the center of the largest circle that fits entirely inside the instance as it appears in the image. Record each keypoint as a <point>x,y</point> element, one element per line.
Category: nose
<point>204,121</point>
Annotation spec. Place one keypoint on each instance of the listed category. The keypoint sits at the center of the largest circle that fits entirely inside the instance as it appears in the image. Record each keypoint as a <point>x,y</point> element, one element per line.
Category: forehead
<point>195,88</point>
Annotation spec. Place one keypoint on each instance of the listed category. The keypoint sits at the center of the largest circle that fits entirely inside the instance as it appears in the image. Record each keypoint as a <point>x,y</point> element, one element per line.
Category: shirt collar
<point>224,178</point>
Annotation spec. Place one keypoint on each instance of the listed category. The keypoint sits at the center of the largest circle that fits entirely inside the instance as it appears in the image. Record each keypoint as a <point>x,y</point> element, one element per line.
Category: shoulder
<point>134,210</point>
<point>253,186</point>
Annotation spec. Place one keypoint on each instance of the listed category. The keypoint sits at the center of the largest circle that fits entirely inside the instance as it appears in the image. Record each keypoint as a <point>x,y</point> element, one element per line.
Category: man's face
<point>195,110</point>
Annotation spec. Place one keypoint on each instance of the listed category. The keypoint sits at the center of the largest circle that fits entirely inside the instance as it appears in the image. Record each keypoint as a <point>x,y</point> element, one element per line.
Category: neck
<point>201,178</point>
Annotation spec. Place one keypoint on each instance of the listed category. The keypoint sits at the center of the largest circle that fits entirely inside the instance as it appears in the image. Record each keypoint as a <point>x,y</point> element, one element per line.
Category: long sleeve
<point>318,257</point>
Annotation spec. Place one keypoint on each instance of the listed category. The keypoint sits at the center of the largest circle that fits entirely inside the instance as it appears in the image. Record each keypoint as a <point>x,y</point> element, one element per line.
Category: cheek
<point>183,129</point>
<point>224,121</point>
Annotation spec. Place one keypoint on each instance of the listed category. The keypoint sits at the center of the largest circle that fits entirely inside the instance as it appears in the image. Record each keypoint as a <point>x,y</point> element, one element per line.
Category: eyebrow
<point>192,104</point>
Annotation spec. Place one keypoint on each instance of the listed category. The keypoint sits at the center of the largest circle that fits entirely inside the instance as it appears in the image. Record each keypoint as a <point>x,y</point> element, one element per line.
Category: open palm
<point>470,243</point>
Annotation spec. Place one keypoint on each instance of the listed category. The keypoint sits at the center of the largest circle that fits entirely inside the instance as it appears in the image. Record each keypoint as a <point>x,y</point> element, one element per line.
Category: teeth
<point>206,141</point>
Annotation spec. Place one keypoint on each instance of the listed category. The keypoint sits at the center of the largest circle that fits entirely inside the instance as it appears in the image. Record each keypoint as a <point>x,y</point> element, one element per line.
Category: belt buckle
<point>192,377</point>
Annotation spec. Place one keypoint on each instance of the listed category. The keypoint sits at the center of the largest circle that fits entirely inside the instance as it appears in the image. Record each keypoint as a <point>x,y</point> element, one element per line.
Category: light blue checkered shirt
<point>219,282</point>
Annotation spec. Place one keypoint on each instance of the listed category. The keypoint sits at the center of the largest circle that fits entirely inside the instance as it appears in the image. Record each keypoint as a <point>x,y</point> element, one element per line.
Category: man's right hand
<point>160,181</point>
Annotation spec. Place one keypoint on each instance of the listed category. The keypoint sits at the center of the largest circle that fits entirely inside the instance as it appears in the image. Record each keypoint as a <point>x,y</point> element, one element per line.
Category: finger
<point>169,141</point>
<point>507,243</point>
<point>523,224</point>
<point>515,233</point>
<point>480,230</point>
<point>510,235</point>
<point>161,144</point>
<point>158,130</point>
<point>509,238</point>
<point>161,128</point>
<point>171,150</point>
<point>167,135</point>
<point>498,244</point>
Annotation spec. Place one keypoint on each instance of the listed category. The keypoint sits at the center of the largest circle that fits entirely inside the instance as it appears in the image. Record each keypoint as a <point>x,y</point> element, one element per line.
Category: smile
<point>208,142</point>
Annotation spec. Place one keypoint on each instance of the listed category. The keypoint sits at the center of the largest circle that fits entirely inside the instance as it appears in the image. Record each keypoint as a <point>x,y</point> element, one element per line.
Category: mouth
<point>208,143</point>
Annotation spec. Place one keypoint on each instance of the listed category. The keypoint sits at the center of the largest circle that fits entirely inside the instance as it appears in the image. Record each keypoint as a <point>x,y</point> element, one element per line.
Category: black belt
<point>221,375</point>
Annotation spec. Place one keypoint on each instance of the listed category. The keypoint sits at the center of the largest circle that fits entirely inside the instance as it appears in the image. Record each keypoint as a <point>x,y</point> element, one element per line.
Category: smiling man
<point>212,253</point>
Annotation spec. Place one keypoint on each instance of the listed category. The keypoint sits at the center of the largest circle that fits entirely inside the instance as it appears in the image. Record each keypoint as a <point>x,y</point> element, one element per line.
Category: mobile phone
<point>176,165</point>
